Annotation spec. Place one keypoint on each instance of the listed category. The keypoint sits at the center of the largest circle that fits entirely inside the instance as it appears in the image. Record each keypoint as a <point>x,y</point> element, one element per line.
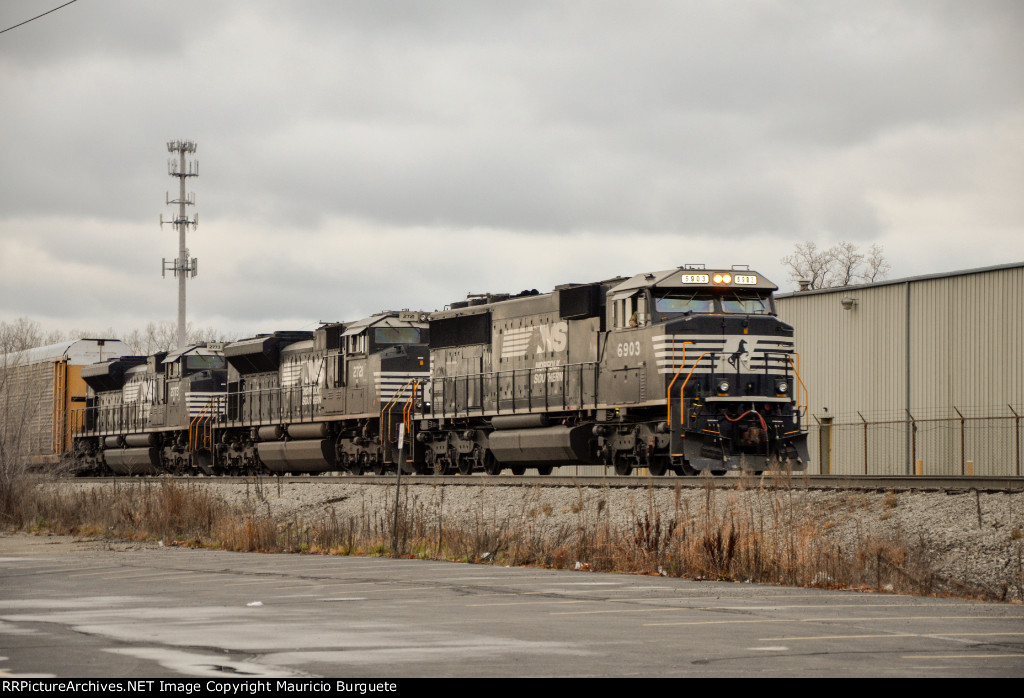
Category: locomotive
<point>299,402</point>
<point>684,370</point>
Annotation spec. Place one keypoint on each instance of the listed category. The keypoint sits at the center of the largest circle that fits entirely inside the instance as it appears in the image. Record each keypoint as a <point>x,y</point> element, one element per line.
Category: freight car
<point>685,370</point>
<point>38,389</point>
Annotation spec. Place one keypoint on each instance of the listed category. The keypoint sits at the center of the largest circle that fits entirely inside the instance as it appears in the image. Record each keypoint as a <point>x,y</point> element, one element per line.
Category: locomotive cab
<point>707,345</point>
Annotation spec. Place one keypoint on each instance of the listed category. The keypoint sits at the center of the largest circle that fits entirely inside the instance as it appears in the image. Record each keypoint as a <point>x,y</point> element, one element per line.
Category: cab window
<point>355,344</point>
<point>396,335</point>
<point>745,304</point>
<point>685,302</point>
<point>630,311</point>
<point>203,363</point>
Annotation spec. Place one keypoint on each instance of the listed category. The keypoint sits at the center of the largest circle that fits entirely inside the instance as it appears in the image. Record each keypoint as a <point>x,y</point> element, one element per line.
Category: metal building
<point>921,374</point>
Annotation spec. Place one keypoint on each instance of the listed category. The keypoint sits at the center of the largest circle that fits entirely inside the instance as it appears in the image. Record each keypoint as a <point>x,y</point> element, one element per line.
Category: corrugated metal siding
<point>966,351</point>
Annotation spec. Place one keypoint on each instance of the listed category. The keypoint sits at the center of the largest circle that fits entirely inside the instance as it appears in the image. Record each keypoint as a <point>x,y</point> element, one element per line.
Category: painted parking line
<point>961,656</point>
<point>528,603</point>
<point>656,609</point>
<point>936,636</point>
<point>851,619</point>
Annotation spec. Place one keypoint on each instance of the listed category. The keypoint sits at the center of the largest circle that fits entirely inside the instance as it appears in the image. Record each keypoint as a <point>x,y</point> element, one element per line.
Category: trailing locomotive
<point>147,415</point>
<point>685,370</point>
<point>300,402</point>
<point>333,399</point>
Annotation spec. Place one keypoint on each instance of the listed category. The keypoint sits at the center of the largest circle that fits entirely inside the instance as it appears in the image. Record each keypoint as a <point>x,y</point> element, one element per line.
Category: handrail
<point>407,410</point>
<point>683,386</point>
<point>796,372</point>
<point>497,376</point>
<point>668,391</point>
<point>193,427</point>
<point>389,407</point>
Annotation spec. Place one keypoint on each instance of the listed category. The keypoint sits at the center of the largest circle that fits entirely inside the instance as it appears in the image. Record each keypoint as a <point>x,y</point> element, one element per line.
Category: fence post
<point>963,469</point>
<point>913,443</point>
<point>1016,435</point>
<point>865,442</point>
<point>824,444</point>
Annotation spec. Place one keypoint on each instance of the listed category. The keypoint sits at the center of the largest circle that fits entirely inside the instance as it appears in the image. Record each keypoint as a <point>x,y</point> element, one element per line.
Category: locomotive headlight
<point>781,387</point>
<point>723,386</point>
<point>722,278</point>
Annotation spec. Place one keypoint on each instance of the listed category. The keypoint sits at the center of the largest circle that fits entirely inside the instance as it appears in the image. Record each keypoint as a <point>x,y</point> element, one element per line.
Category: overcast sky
<point>356,156</point>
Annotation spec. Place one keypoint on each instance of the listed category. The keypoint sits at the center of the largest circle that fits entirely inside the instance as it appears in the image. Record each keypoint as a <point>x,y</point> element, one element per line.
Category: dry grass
<point>765,536</point>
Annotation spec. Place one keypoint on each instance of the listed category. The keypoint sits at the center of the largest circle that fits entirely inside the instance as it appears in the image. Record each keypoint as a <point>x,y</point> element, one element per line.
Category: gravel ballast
<point>972,542</point>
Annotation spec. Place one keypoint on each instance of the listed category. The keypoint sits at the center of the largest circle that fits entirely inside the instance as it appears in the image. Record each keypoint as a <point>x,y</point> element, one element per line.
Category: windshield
<point>396,335</point>
<point>198,363</point>
<point>685,302</point>
<point>745,303</point>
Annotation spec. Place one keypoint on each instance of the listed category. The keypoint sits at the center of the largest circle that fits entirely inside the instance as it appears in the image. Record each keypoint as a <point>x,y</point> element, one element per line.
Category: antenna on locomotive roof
<point>183,267</point>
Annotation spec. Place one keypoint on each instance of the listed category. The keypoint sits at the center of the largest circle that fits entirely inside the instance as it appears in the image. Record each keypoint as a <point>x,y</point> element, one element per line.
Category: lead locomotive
<point>686,370</point>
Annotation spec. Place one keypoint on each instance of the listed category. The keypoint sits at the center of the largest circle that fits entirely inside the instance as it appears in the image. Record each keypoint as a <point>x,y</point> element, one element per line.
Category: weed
<point>767,534</point>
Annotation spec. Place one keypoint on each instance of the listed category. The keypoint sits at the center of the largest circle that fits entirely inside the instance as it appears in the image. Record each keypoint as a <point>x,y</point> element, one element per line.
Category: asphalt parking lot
<point>72,609</point>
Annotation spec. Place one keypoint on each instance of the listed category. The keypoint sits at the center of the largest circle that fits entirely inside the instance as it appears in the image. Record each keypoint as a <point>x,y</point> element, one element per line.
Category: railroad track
<point>821,482</point>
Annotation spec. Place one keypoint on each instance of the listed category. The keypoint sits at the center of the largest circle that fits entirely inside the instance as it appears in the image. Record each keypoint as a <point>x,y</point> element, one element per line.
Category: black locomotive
<point>685,370</point>
<point>681,370</point>
<point>299,402</point>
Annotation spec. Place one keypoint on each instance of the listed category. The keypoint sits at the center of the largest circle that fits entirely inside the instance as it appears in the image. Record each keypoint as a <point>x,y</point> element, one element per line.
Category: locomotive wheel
<point>718,473</point>
<point>658,466</point>
<point>440,465</point>
<point>380,467</point>
<point>623,464</point>
<point>544,470</point>
<point>518,469</point>
<point>465,464</point>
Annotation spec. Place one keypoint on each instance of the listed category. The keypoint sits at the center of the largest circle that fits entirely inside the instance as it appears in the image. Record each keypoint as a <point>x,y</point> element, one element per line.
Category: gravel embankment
<point>974,539</point>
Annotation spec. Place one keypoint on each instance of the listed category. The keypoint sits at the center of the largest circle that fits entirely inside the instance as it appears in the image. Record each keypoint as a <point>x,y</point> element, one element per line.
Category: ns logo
<point>737,353</point>
<point>549,338</point>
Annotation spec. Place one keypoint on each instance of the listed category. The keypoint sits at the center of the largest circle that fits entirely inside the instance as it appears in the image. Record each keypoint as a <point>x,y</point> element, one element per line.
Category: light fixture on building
<point>849,303</point>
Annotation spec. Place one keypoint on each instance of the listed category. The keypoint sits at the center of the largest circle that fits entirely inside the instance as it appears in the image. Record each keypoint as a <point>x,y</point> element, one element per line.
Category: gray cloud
<point>470,144</point>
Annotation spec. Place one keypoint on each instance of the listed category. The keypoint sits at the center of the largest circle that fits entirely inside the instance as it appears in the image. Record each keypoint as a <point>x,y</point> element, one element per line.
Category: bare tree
<point>23,333</point>
<point>876,265</point>
<point>163,336</point>
<point>20,387</point>
<point>840,265</point>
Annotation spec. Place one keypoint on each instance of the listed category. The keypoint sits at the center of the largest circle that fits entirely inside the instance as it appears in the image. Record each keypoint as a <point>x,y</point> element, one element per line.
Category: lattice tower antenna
<point>184,267</point>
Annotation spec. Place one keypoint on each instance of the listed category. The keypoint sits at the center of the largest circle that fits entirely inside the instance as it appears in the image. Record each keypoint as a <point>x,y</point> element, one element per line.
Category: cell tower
<point>183,267</point>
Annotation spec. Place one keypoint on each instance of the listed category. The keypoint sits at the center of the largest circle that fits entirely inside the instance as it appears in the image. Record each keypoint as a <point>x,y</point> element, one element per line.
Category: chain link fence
<point>954,441</point>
